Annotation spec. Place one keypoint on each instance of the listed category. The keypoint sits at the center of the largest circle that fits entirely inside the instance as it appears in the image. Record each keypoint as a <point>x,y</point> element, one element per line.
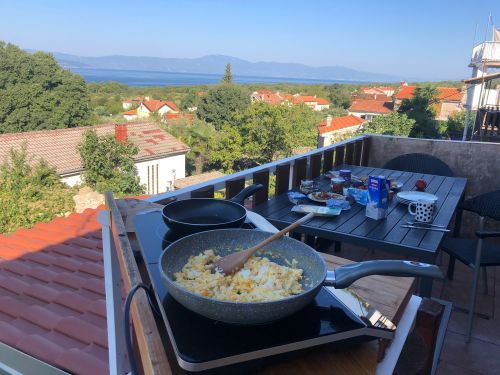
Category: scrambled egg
<point>259,280</point>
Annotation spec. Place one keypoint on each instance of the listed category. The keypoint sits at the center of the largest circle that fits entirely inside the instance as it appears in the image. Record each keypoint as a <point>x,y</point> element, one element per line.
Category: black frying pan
<point>200,214</point>
<point>315,273</point>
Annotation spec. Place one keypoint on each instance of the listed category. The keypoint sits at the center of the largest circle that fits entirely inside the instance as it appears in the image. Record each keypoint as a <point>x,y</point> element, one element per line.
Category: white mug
<point>424,210</point>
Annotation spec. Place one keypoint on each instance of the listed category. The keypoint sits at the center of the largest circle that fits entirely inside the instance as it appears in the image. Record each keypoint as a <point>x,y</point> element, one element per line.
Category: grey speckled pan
<point>225,241</point>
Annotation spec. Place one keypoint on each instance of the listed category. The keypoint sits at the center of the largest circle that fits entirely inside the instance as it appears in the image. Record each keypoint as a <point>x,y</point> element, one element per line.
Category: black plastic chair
<point>419,163</point>
<point>476,251</point>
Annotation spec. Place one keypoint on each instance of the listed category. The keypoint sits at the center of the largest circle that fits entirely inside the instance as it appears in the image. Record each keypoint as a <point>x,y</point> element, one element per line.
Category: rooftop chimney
<point>121,132</point>
<point>328,120</point>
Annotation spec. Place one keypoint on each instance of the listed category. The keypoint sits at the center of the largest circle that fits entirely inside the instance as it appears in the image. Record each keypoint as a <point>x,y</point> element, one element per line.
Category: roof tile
<point>41,316</point>
<point>371,106</point>
<point>51,289</point>
<point>53,145</point>
<point>82,331</point>
<point>87,364</point>
<point>38,346</point>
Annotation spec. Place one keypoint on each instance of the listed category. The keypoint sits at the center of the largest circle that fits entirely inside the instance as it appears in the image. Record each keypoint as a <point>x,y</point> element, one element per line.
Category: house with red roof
<point>160,161</point>
<point>128,103</point>
<point>330,127</point>
<point>316,104</point>
<point>451,99</point>
<point>376,91</point>
<point>274,98</point>
<point>147,107</point>
<point>367,109</point>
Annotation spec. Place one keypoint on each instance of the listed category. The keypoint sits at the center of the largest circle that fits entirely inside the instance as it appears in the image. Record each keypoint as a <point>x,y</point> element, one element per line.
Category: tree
<point>221,103</point>
<point>30,192</point>
<point>421,108</point>
<point>339,95</point>
<point>109,164</point>
<point>263,133</point>
<point>393,124</point>
<point>189,101</point>
<point>228,77</point>
<point>36,93</point>
<point>455,124</point>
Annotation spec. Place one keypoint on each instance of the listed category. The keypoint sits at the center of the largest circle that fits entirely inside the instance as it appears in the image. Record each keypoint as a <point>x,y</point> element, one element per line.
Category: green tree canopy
<point>261,134</point>
<point>228,76</point>
<point>397,124</point>
<point>421,108</point>
<point>190,100</point>
<point>221,103</point>
<point>109,164</point>
<point>339,95</point>
<point>30,193</point>
<point>36,93</point>
<point>456,122</point>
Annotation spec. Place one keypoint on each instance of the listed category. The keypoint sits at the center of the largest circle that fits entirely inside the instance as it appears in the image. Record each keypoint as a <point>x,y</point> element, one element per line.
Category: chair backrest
<point>420,163</point>
<point>487,205</point>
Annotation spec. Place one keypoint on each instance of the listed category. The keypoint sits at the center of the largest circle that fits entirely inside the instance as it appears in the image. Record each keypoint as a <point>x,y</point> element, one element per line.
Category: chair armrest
<point>487,234</point>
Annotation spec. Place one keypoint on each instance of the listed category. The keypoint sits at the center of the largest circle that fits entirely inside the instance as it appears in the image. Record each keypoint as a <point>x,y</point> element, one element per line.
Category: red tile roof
<point>446,94</point>
<point>322,101</point>
<point>371,106</point>
<point>174,116</point>
<point>59,147</point>
<point>405,92</point>
<point>52,296</point>
<point>132,112</point>
<point>154,105</point>
<point>339,123</point>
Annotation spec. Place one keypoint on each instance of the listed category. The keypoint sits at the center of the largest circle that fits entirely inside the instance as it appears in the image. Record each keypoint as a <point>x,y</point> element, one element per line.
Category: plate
<point>396,185</point>
<point>407,197</point>
<point>313,197</point>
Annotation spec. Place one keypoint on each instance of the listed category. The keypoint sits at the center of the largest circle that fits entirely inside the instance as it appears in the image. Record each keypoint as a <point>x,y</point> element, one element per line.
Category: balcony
<point>475,161</point>
<point>487,53</point>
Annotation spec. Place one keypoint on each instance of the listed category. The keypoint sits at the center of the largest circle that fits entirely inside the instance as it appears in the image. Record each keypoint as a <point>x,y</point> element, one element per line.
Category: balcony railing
<point>289,172</point>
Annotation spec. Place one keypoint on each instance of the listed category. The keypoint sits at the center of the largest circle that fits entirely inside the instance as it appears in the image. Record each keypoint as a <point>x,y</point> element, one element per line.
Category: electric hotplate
<point>335,317</point>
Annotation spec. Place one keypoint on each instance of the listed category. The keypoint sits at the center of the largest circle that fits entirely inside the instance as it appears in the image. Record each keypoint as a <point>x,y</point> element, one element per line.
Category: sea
<point>153,78</point>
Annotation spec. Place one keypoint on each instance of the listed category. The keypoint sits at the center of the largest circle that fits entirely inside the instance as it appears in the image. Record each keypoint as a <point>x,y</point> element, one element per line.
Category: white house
<point>367,109</point>
<point>328,129</point>
<point>161,159</point>
<point>156,106</point>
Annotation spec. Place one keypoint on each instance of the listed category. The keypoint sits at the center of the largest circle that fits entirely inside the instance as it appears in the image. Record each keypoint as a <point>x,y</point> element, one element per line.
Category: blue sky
<point>427,39</point>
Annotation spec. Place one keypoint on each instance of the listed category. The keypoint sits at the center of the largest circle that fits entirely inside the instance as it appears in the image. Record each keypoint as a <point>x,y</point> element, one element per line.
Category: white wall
<point>164,179</point>
<point>72,180</point>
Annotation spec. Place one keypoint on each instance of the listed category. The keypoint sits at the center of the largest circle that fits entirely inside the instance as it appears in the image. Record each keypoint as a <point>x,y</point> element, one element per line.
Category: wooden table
<point>354,227</point>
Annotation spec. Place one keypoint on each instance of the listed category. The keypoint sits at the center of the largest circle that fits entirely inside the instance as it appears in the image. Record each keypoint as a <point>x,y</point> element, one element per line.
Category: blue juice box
<point>378,197</point>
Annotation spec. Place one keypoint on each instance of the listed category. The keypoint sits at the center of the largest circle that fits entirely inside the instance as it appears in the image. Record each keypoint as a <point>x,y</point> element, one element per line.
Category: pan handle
<point>245,193</point>
<point>344,276</point>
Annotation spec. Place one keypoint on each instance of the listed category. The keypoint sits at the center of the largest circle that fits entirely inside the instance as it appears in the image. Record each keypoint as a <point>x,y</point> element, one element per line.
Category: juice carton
<point>378,197</point>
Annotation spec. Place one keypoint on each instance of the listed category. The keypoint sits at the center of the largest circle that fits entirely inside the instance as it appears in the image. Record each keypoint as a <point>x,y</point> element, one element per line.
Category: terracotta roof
<point>52,296</point>
<point>447,94</point>
<point>339,123</point>
<point>322,101</point>
<point>174,116</point>
<point>450,94</point>
<point>59,147</point>
<point>196,179</point>
<point>371,106</point>
<point>132,112</point>
<point>260,92</point>
<point>154,105</point>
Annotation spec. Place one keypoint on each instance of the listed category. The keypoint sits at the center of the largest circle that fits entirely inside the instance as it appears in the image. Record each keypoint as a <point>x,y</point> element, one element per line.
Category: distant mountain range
<point>214,64</point>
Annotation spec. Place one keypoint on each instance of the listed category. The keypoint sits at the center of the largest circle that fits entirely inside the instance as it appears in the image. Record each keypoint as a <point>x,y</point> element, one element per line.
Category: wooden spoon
<point>233,262</point>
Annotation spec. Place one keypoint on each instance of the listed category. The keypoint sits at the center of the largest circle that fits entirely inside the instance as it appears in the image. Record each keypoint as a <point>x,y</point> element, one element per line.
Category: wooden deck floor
<point>482,354</point>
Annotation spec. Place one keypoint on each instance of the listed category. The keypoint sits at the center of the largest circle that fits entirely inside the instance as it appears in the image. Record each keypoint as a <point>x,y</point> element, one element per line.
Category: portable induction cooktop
<point>336,317</point>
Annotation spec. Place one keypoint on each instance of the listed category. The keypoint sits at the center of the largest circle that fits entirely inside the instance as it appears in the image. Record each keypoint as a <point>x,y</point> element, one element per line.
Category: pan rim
<point>203,225</point>
<point>234,303</point>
